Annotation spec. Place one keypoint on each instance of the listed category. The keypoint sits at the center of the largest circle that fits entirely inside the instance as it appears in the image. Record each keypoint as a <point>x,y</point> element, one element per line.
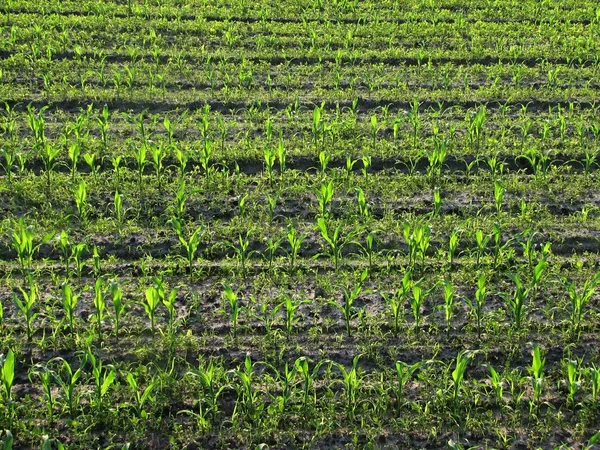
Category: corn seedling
<point>369,249</point>
<point>22,242</point>
<point>482,243</point>
<point>416,303</point>
<point>7,440</point>
<point>573,380</point>
<point>291,307</point>
<point>516,301</point>
<point>74,153</point>
<point>324,197</point>
<point>463,358</point>
<point>537,376</point>
<point>417,238</point>
<point>158,155</point>
<point>452,246</point>
<point>594,376</point>
<point>295,241</point>
<point>81,202</point>
<point>324,159</point>
<point>69,303</point>
<point>103,379</point>
<point>334,240</point>
<point>404,373</point>
<point>579,300</point>
<point>477,304</point>
<point>67,380</point>
<point>93,162</point>
<point>308,378</point>
<point>269,157</point>
<point>363,208</point>
<point>247,397</point>
<point>396,301</point>
<point>234,308</point>
<point>116,294</point>
<point>448,304</point>
<point>190,244</point>
<point>150,302</point>
<point>100,305</point>
<point>498,196</point>
<point>140,155</point>
<point>46,376</point>
<point>496,382</point>
<point>7,366</point>
<point>49,154</point>
<point>351,382</point>
<point>27,306</point>
<point>350,296</point>
<point>140,397</point>
<point>208,401</point>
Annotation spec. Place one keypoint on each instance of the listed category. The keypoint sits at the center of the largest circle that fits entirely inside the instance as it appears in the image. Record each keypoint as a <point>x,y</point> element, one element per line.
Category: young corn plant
<point>208,401</point>
<point>452,246</point>
<point>363,208</point>
<point>350,296</point>
<point>496,382</point>
<point>49,154</point>
<point>404,373</point>
<point>477,304</point>
<point>67,379</point>
<point>242,252</point>
<point>308,377</point>
<point>334,240</point>
<point>498,196</point>
<point>69,301</point>
<point>369,249</point>
<point>396,301</point>
<point>463,358</point>
<point>416,303</point>
<point>151,300</point>
<point>537,377</point>
<point>574,379</point>
<point>324,197</point>
<point>46,376</point>
<point>247,397</point>
<point>74,153</point>
<point>22,242</point>
<point>270,158</point>
<point>103,379</point>
<point>234,308</point>
<point>141,158</point>
<point>100,306</point>
<point>482,242</point>
<point>448,305</point>
<point>324,159</point>
<point>418,239</point>
<point>81,203</point>
<point>351,382</point>
<point>119,211</point>
<point>7,376</point>
<point>189,244</point>
<point>295,242</point>
<point>291,307</point>
<point>181,198</point>
<point>594,378</point>
<point>27,307</point>
<point>536,277</point>
<point>516,301</point>
<point>140,397</point>
<point>116,294</point>
<point>579,300</point>
<point>158,155</point>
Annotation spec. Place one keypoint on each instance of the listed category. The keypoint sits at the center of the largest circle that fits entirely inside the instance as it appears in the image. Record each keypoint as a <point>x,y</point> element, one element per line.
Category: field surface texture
<point>304,224</point>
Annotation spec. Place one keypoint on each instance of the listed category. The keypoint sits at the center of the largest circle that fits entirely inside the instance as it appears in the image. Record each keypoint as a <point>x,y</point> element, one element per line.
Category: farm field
<point>302,224</point>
